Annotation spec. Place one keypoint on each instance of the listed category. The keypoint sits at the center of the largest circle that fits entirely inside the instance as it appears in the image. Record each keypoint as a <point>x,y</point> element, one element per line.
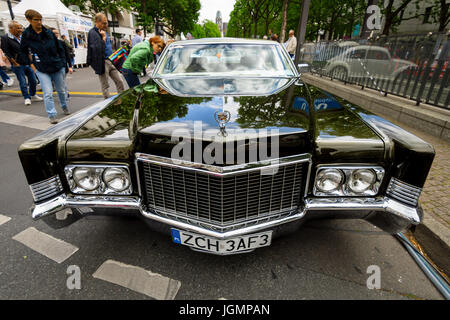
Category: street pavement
<point>121,258</point>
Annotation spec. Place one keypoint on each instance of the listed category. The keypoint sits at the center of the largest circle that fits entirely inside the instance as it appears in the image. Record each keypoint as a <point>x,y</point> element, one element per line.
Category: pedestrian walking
<point>71,49</point>
<point>10,46</point>
<point>4,63</point>
<point>48,62</point>
<point>137,38</point>
<point>68,66</point>
<point>291,45</point>
<point>140,56</point>
<point>99,49</point>
<point>274,37</point>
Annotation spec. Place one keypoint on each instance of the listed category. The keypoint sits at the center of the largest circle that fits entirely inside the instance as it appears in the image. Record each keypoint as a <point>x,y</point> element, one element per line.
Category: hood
<point>155,117</point>
<point>275,107</point>
<point>223,112</point>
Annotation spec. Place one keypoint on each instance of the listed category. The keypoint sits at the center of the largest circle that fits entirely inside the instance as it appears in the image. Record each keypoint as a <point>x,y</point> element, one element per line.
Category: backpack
<point>119,56</point>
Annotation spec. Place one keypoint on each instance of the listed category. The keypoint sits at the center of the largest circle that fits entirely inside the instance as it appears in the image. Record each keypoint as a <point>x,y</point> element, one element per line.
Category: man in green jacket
<point>140,56</point>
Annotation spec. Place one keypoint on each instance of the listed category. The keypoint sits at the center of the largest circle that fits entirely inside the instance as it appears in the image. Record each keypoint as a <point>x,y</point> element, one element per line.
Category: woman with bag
<point>140,56</point>
<point>4,62</point>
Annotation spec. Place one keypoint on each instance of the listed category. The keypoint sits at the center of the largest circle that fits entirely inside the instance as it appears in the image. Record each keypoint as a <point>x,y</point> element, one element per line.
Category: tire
<point>339,73</point>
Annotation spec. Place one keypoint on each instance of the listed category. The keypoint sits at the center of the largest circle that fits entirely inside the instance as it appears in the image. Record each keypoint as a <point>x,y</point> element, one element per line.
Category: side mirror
<point>304,68</point>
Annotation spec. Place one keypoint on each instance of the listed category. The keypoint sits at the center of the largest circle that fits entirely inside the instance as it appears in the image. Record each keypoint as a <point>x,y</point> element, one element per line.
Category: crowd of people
<point>39,54</point>
<point>290,44</point>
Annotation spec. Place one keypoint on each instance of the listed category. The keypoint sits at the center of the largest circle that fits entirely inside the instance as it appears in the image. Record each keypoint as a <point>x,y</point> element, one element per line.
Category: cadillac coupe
<point>224,154</point>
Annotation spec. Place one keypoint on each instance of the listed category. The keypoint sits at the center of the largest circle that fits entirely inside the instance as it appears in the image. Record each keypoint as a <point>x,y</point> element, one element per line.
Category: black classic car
<point>225,148</point>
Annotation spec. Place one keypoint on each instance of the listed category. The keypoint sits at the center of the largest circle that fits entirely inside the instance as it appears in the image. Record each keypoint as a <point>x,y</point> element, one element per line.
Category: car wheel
<point>339,73</point>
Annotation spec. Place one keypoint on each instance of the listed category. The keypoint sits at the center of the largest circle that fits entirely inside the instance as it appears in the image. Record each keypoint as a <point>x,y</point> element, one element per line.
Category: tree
<point>284,21</point>
<point>240,22</point>
<point>440,13</point>
<point>174,16</point>
<point>206,30</point>
<point>269,12</point>
<point>393,15</point>
<point>198,31</point>
<point>444,14</point>
<point>95,6</point>
<point>211,29</point>
<point>255,8</point>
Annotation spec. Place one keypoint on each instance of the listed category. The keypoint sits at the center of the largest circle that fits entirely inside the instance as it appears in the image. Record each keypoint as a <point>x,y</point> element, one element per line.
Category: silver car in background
<point>367,61</point>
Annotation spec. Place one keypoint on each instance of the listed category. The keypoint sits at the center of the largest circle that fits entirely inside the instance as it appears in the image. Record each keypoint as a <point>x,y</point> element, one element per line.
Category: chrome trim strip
<point>227,234</point>
<point>227,170</point>
<point>138,177</point>
<point>377,204</point>
<point>382,204</point>
<point>45,189</point>
<point>403,192</point>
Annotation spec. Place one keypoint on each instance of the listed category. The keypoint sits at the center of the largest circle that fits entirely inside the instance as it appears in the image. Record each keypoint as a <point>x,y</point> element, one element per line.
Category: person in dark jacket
<point>99,49</point>
<point>68,67</point>
<point>10,46</point>
<point>49,61</point>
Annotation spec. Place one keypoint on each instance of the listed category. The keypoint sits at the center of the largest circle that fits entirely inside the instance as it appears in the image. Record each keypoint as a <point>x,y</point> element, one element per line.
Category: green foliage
<point>211,29</point>
<point>206,30</point>
<point>198,31</point>
<point>174,15</point>
<point>95,6</point>
<point>253,18</point>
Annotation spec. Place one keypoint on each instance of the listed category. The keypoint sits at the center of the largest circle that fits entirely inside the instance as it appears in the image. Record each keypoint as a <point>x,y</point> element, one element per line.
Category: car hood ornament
<point>222,118</point>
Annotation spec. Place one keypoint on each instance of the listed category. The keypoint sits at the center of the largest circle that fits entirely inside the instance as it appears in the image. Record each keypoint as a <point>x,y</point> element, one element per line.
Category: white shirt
<point>291,45</point>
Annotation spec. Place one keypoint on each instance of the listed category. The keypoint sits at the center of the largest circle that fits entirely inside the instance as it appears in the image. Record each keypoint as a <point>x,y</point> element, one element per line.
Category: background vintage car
<point>367,61</point>
<point>333,158</point>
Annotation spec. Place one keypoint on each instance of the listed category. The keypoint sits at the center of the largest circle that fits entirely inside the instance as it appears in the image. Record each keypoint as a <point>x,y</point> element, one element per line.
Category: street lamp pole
<point>10,9</point>
<point>301,30</point>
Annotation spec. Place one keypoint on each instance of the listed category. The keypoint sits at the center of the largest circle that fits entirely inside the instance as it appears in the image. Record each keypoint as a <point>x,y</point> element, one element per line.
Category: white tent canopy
<point>47,8</point>
<point>55,14</point>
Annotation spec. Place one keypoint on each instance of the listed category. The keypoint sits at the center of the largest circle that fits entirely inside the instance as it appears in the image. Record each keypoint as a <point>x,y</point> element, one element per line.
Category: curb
<point>15,93</point>
<point>433,237</point>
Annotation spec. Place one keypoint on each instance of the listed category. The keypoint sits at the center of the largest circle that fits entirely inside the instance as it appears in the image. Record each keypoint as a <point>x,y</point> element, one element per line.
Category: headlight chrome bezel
<point>103,188</point>
<point>344,190</point>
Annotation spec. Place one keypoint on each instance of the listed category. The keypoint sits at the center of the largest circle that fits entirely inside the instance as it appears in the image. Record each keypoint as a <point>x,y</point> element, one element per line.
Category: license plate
<point>241,243</point>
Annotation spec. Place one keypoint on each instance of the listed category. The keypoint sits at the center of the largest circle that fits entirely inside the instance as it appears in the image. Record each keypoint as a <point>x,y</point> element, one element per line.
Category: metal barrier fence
<point>411,66</point>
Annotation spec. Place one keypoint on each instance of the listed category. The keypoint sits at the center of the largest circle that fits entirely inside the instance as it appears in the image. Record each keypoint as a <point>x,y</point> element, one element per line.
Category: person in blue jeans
<point>10,46</point>
<point>49,60</point>
<point>5,78</point>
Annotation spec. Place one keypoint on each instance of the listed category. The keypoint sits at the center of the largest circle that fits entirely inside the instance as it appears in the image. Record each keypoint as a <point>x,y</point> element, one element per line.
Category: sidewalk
<point>434,233</point>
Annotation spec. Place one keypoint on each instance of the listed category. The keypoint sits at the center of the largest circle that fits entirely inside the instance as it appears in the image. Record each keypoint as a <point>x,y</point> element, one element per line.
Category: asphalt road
<point>325,259</point>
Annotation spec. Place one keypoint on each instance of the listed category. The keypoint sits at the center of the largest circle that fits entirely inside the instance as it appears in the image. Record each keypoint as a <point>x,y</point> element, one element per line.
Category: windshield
<point>225,59</point>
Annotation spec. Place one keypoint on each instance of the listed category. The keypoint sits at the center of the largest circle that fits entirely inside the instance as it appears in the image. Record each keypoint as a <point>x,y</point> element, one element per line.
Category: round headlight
<point>116,179</point>
<point>361,180</point>
<point>329,180</point>
<point>86,178</point>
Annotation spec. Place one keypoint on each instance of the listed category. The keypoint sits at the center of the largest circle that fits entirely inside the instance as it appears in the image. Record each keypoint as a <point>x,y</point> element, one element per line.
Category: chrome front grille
<point>212,199</point>
<point>403,192</point>
<point>46,189</point>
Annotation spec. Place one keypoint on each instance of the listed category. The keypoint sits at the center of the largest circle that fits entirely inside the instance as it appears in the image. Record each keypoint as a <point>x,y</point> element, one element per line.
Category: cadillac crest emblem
<point>222,118</point>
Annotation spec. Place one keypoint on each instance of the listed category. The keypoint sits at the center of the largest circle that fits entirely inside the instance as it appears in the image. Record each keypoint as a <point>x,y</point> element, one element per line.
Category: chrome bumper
<point>388,214</point>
